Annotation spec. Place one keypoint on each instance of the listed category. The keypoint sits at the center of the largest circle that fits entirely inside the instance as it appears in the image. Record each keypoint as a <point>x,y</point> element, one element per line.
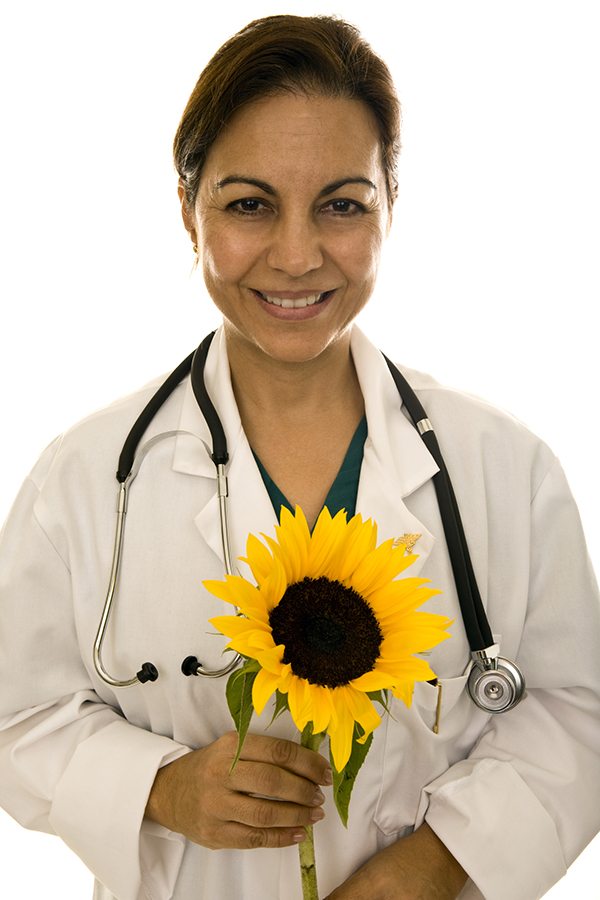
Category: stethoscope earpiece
<point>148,672</point>
<point>496,687</point>
<point>191,665</point>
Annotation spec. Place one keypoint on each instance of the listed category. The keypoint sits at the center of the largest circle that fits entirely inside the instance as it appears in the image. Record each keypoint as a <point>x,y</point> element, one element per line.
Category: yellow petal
<point>260,640</point>
<point>399,646</point>
<point>341,732</point>
<point>401,596</point>
<point>414,635</point>
<point>293,539</point>
<point>258,558</point>
<point>287,676</point>
<point>362,710</point>
<point>323,710</point>
<point>302,524</point>
<point>411,669</point>
<point>271,659</point>
<point>249,644</point>
<point>274,586</point>
<point>375,680</point>
<point>228,588</point>
<point>360,539</point>
<point>299,699</point>
<point>416,620</point>
<point>232,626</point>
<point>324,542</point>
<point>240,593</point>
<point>379,567</point>
<point>404,692</point>
<point>265,685</point>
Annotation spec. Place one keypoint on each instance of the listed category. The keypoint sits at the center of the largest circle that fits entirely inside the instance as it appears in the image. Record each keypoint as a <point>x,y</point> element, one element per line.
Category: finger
<point>234,836</point>
<point>261,813</point>
<point>271,781</point>
<point>287,755</point>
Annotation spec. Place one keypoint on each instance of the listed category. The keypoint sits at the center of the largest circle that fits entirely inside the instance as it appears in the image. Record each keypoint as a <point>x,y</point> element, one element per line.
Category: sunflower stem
<point>308,867</point>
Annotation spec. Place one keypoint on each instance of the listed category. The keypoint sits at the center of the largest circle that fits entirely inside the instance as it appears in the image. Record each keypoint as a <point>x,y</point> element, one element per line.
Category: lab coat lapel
<point>250,510</point>
<point>396,462</point>
<point>249,507</point>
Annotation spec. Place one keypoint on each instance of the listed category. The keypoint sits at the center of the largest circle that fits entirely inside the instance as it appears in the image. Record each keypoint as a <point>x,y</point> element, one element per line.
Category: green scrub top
<point>343,492</point>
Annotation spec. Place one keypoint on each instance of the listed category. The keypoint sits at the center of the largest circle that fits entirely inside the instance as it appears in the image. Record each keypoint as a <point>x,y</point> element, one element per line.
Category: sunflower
<point>330,623</point>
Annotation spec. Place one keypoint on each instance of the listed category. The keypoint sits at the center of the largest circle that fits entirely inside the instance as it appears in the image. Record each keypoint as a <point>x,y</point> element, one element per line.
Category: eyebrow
<point>268,189</point>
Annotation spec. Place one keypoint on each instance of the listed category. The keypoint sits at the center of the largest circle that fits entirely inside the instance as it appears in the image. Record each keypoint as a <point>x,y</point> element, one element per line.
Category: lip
<point>291,295</point>
<point>290,313</point>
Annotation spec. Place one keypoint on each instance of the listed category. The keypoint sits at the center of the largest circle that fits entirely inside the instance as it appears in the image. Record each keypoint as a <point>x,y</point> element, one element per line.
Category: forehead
<point>291,137</point>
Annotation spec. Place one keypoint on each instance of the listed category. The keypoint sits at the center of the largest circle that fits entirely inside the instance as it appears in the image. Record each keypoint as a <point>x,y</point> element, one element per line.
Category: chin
<point>303,349</point>
<point>285,348</point>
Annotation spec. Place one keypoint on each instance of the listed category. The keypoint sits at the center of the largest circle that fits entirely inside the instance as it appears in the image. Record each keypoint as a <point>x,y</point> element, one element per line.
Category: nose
<point>295,246</point>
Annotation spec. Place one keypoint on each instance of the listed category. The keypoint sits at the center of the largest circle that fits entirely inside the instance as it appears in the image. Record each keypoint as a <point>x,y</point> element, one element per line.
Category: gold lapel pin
<point>409,541</point>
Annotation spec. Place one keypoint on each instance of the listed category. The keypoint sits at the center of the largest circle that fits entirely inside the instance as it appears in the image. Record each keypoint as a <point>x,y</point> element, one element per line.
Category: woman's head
<point>286,54</point>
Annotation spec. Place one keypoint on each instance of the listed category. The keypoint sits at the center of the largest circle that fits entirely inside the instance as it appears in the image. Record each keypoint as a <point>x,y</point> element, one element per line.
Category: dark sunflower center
<point>330,634</point>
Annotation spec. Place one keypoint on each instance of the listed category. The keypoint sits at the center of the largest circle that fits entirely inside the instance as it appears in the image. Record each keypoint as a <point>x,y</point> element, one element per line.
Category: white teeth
<point>300,303</point>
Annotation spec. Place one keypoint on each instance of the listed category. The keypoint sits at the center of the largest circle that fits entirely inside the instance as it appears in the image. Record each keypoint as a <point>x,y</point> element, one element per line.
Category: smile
<point>296,302</point>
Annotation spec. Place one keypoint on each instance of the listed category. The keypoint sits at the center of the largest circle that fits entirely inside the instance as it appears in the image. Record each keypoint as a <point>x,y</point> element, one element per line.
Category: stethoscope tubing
<point>129,466</point>
<point>112,585</point>
<point>474,617</point>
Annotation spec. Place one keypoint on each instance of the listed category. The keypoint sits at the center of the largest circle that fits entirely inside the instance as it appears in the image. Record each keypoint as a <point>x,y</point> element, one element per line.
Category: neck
<point>292,391</point>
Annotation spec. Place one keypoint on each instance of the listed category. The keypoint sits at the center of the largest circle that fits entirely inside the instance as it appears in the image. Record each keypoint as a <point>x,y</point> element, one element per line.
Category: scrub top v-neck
<point>344,490</point>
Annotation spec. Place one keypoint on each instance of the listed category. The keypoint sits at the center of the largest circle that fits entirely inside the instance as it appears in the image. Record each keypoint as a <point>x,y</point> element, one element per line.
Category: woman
<point>286,155</point>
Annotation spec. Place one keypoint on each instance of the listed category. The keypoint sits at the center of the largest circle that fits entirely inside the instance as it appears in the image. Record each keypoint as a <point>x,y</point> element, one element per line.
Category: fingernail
<point>298,837</point>
<point>316,815</point>
<point>327,777</point>
<point>318,798</point>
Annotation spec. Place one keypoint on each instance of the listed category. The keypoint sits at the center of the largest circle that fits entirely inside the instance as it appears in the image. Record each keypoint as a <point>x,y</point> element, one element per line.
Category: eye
<point>247,206</point>
<point>343,207</point>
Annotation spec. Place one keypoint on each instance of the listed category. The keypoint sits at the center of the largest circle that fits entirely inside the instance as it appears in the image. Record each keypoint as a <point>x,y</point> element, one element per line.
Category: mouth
<point>297,302</point>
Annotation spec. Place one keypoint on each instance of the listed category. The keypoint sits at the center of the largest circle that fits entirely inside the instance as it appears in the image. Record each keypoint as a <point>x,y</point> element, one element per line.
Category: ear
<point>187,214</point>
<point>389,220</point>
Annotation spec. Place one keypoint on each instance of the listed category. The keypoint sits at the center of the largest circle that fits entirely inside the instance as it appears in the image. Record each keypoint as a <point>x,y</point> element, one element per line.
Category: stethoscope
<point>495,684</point>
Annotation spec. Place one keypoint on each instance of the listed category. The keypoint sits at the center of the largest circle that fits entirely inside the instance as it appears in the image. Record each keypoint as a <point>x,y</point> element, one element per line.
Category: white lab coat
<point>514,797</point>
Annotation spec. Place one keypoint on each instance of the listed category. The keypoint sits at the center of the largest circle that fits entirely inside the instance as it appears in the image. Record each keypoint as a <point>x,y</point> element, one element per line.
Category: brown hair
<point>297,54</point>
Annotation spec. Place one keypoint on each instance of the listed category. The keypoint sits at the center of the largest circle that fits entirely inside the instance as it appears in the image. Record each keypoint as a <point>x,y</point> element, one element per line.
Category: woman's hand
<point>200,797</point>
<point>417,867</point>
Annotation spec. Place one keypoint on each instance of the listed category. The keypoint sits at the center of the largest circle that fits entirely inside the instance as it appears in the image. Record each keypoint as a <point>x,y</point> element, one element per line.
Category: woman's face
<point>289,220</point>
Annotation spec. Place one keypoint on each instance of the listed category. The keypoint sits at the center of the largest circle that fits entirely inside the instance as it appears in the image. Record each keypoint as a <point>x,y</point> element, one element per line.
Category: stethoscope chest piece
<point>498,687</point>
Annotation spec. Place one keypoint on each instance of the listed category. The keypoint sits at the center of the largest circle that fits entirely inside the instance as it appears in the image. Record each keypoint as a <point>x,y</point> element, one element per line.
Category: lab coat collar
<point>395,462</point>
<point>250,510</point>
<point>393,446</point>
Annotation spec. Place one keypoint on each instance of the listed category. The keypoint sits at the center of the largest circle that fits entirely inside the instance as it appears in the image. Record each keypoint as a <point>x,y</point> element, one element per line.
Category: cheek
<point>359,254</point>
<point>227,254</point>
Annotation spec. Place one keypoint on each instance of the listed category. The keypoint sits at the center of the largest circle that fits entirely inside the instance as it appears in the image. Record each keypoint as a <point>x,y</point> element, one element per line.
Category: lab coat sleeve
<point>69,763</point>
<point>524,804</point>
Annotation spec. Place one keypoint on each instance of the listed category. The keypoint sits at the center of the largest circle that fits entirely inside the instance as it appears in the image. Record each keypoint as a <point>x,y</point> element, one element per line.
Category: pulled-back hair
<point>319,55</point>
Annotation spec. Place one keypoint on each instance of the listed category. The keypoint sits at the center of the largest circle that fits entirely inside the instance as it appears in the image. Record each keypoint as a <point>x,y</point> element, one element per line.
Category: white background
<point>490,281</point>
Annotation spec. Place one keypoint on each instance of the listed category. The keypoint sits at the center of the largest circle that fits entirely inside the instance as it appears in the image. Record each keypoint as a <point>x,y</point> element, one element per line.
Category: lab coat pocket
<point>415,752</point>
<point>434,702</point>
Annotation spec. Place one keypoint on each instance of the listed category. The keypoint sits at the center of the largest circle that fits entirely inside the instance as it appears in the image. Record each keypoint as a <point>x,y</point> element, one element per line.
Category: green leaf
<point>343,781</point>
<point>309,739</point>
<point>239,700</point>
<point>281,704</point>
<point>380,697</point>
